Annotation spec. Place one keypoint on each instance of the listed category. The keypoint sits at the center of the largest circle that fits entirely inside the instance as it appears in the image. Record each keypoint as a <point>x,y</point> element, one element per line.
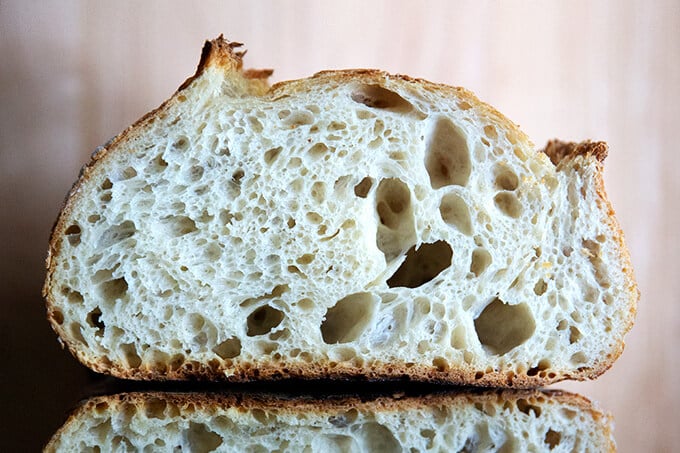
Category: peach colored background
<point>73,74</point>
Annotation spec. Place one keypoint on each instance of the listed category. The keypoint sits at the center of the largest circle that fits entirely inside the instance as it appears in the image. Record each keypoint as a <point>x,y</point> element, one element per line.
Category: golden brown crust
<point>300,402</point>
<point>218,52</point>
<point>222,54</point>
<point>242,372</point>
<point>558,150</point>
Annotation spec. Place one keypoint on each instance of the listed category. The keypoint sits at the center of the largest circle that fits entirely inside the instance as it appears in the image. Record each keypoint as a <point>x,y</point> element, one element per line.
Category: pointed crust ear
<point>221,53</point>
<point>558,150</point>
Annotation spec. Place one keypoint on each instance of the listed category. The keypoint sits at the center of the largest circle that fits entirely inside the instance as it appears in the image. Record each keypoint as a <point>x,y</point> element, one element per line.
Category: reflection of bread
<point>350,224</point>
<point>489,421</point>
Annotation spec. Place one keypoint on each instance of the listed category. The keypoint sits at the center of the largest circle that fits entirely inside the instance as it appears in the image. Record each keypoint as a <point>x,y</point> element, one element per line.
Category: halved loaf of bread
<point>354,223</point>
<point>505,421</point>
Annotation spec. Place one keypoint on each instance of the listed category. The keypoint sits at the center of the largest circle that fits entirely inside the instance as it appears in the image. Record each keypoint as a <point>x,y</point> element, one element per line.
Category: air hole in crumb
<point>72,296</point>
<point>540,287</point>
<point>238,175</point>
<point>508,204</point>
<point>454,211</point>
<point>120,443</point>
<point>271,155</point>
<point>117,233</point>
<point>94,320</point>
<point>490,132</point>
<point>481,259</point>
<point>341,184</point>
<point>196,173</point>
<point>73,235</point>
<point>317,150</point>
<point>200,439</point>
<point>344,419</point>
<point>318,191</point>
<point>225,217</point>
<point>228,349</point>
<point>181,144</point>
<point>298,118</point>
<point>155,408</point>
<point>295,270</point>
<point>376,437</point>
<point>129,173</point>
<point>592,250</point>
<point>255,124</point>
<point>130,355</point>
<point>157,164</point>
<point>107,184</point>
<point>524,406</point>
<point>263,320</point>
<point>394,198</point>
<point>348,318</point>
<point>305,304</point>
<point>574,335</point>
<point>177,226</point>
<point>396,231</point>
<point>305,259</point>
<point>361,190</point>
<point>578,358</point>
<point>502,327</point>
<point>378,97</point>
<point>422,265</point>
<point>543,365</point>
<point>448,156</point>
<point>552,438</point>
<point>505,179</point>
<point>429,435</point>
<point>314,217</point>
<point>440,363</point>
<point>58,316</point>
<point>115,289</point>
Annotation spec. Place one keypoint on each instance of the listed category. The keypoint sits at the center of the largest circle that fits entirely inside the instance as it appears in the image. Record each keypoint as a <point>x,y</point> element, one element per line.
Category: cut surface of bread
<point>509,421</point>
<point>352,224</point>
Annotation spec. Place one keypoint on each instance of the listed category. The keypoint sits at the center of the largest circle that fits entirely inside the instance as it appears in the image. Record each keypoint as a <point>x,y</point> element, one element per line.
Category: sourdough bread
<point>354,223</point>
<point>506,421</point>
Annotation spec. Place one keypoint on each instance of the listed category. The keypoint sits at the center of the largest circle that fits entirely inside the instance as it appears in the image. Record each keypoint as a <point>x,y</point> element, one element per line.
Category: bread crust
<point>222,54</point>
<point>337,403</point>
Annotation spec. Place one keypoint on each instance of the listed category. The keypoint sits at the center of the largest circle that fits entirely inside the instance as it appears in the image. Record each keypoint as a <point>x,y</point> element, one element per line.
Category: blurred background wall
<point>75,73</point>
